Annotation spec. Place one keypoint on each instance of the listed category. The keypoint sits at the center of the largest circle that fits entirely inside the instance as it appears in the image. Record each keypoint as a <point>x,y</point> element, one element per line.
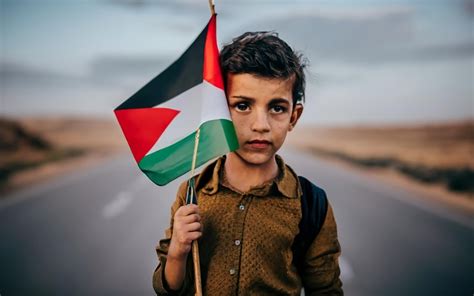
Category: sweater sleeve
<point>159,283</point>
<point>321,269</point>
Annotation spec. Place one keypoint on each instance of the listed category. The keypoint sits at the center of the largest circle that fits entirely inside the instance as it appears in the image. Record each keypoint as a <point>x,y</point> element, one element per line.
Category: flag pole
<point>211,6</point>
<point>195,246</point>
<point>192,192</point>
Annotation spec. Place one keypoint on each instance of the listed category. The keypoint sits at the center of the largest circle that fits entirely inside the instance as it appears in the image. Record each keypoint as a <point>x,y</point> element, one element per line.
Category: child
<point>249,201</point>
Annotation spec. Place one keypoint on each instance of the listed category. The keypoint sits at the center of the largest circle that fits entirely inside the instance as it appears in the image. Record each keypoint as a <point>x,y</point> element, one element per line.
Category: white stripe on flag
<point>214,104</point>
<point>199,104</point>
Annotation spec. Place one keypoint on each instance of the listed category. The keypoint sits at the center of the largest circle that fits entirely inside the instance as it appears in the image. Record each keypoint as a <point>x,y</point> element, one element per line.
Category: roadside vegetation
<point>430,153</point>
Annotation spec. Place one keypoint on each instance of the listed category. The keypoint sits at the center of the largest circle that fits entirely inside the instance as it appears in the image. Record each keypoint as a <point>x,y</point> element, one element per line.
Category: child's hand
<point>186,228</point>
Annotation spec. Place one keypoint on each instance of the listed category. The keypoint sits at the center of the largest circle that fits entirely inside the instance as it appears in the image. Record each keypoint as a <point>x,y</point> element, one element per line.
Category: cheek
<point>239,125</point>
<point>234,115</point>
<point>280,121</point>
<point>280,129</point>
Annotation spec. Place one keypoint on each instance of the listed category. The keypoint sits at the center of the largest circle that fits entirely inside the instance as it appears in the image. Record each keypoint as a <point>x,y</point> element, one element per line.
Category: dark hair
<point>265,54</point>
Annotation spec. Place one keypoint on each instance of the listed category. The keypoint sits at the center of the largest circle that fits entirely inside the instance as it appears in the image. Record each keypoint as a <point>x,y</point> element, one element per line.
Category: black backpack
<point>314,206</point>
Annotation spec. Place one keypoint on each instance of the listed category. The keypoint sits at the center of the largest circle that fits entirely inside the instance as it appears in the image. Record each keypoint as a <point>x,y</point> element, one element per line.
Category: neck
<point>243,175</point>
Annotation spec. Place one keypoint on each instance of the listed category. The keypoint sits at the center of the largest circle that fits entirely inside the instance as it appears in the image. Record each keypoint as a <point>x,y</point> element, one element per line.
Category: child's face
<point>262,111</point>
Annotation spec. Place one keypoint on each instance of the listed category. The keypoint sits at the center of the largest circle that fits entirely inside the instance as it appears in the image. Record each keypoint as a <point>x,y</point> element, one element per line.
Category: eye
<point>278,109</point>
<point>241,106</point>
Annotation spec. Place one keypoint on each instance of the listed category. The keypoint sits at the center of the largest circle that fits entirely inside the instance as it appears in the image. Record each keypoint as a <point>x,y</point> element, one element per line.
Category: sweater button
<point>237,242</point>
<point>232,271</point>
<point>241,207</point>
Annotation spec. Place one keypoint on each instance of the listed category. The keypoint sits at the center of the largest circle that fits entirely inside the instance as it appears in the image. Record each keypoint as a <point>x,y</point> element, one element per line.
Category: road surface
<point>93,232</point>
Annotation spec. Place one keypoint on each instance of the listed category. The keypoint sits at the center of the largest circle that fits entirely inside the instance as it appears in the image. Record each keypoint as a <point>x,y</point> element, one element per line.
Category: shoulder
<point>303,184</point>
<point>311,188</point>
<point>288,182</point>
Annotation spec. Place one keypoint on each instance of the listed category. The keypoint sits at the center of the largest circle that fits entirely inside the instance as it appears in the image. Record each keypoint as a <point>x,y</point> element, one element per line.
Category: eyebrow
<point>272,101</point>
<point>279,101</point>
<point>244,98</point>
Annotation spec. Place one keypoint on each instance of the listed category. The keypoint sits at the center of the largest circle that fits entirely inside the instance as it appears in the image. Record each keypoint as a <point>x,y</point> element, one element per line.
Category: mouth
<point>259,144</point>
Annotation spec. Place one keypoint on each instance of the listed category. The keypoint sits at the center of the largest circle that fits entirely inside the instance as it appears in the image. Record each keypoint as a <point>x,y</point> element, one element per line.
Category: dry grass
<point>431,153</point>
<point>40,147</point>
<point>441,145</point>
<point>33,149</point>
<point>88,134</point>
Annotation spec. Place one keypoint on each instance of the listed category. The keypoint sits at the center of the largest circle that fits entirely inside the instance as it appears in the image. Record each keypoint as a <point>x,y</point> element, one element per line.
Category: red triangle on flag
<point>142,127</point>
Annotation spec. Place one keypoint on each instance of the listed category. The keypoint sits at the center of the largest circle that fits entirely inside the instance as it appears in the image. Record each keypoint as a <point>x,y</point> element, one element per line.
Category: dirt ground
<point>436,145</point>
<point>427,158</point>
<point>37,149</point>
<point>48,147</point>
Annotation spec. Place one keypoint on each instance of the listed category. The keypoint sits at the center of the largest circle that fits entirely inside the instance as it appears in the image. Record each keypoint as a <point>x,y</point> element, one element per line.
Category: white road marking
<point>68,179</point>
<point>123,199</point>
<point>117,206</point>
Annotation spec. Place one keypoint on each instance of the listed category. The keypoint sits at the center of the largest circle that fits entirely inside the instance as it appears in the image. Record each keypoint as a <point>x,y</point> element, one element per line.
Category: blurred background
<point>388,114</point>
<point>371,61</point>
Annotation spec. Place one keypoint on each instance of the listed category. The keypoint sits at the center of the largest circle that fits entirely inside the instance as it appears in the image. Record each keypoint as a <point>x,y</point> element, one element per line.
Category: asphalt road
<point>93,232</point>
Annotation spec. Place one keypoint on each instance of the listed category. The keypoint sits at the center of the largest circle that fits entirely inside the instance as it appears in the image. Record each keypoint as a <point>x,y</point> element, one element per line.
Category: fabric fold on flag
<point>161,119</point>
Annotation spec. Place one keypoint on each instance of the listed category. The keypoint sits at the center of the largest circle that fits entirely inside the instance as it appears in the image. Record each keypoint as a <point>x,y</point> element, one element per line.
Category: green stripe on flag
<point>216,138</point>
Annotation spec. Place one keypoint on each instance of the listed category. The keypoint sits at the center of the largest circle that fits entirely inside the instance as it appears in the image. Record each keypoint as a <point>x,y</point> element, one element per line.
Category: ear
<point>295,115</point>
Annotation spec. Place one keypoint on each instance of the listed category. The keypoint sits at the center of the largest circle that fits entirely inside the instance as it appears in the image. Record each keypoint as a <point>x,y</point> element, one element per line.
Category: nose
<point>260,122</point>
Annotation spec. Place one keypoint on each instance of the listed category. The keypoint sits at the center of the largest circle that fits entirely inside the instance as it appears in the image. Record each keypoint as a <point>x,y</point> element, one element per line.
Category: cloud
<point>128,70</point>
<point>468,6</point>
<point>180,5</point>
<point>342,35</point>
<point>15,73</point>
<point>445,51</point>
<point>29,90</point>
<point>377,35</point>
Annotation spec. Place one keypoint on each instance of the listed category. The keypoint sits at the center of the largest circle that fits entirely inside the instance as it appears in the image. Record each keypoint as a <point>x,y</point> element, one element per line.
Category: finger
<point>188,210</point>
<point>191,218</point>
<point>194,235</point>
<point>196,226</point>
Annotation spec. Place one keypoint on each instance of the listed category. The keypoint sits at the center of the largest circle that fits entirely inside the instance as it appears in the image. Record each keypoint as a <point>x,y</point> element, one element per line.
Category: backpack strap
<point>314,207</point>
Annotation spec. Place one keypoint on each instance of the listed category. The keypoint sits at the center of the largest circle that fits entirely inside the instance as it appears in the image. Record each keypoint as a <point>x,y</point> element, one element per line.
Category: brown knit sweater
<point>247,237</point>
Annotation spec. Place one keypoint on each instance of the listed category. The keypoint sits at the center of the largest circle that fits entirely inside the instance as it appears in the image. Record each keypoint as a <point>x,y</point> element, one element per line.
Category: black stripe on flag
<point>180,76</point>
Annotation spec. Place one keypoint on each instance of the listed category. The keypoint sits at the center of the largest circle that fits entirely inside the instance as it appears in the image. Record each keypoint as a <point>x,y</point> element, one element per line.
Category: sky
<point>371,62</point>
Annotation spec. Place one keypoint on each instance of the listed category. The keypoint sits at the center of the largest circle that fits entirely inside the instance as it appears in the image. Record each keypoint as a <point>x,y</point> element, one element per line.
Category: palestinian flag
<point>161,119</point>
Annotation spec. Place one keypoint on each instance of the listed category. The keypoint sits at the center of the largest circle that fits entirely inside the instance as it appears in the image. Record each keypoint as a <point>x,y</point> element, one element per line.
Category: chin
<point>256,158</point>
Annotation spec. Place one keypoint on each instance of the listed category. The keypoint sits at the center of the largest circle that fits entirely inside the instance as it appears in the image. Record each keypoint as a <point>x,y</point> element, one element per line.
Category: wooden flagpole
<point>192,191</point>
<point>195,246</point>
<point>211,6</point>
